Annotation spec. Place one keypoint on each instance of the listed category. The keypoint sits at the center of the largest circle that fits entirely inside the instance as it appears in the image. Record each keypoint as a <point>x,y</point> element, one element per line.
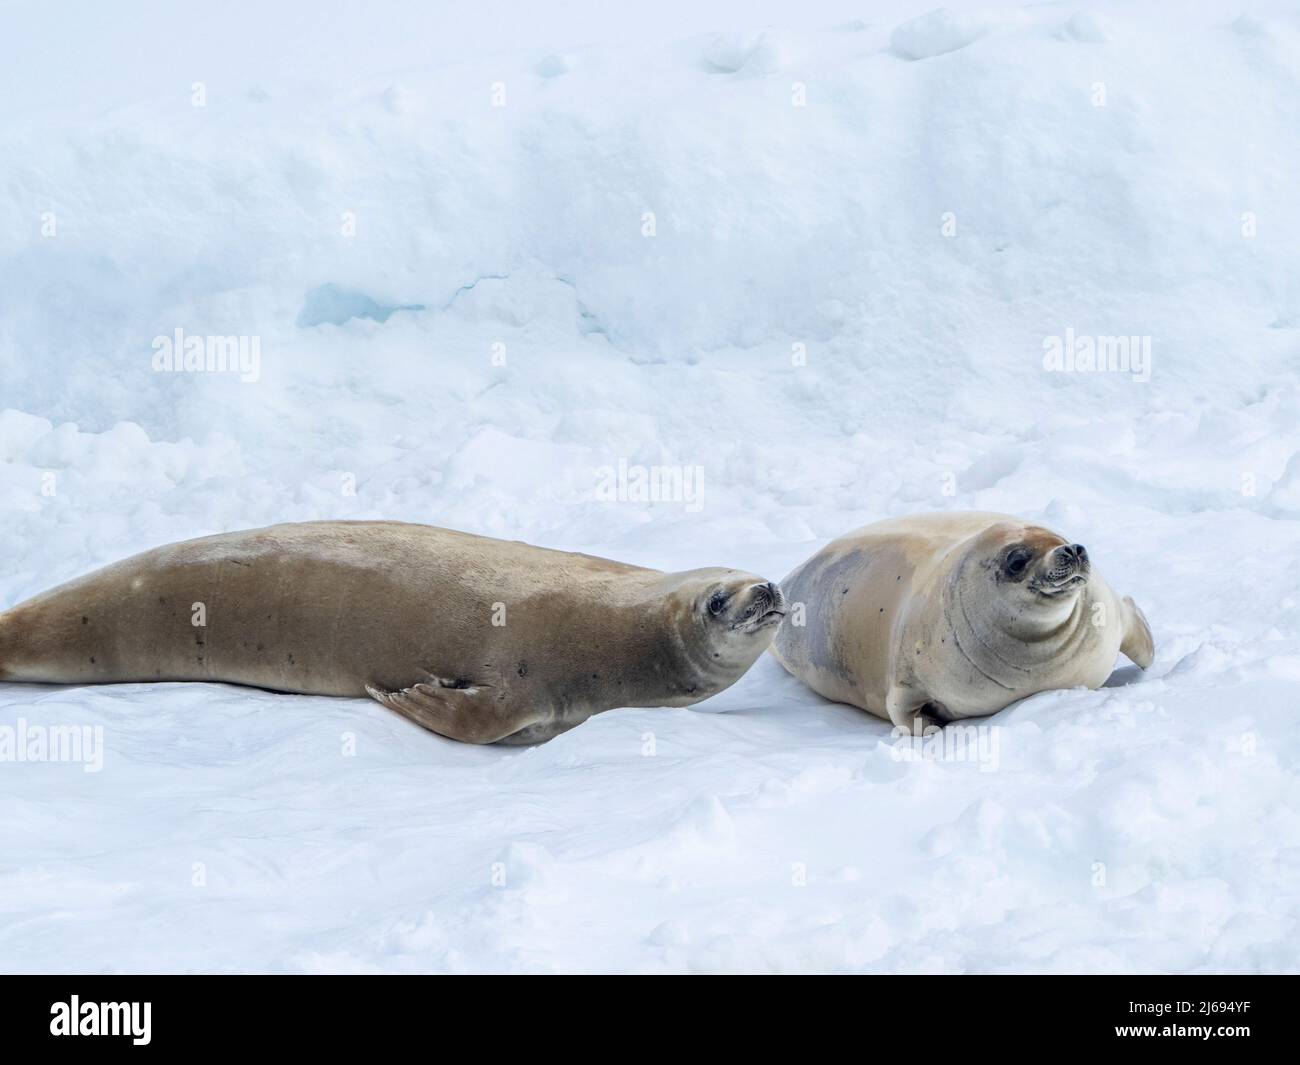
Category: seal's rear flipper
<point>1137,642</point>
<point>471,714</point>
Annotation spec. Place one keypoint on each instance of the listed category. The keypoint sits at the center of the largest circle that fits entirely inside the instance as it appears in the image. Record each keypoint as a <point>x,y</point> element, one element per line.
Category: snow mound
<point>754,54</point>
<point>938,32</point>
<point>1088,27</point>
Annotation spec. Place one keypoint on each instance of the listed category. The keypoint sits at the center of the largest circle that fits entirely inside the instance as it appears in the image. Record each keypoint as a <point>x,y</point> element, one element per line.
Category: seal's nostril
<point>1080,551</point>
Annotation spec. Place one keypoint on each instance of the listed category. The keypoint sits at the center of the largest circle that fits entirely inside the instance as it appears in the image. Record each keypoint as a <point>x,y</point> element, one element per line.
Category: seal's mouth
<point>1053,588</point>
<point>771,617</point>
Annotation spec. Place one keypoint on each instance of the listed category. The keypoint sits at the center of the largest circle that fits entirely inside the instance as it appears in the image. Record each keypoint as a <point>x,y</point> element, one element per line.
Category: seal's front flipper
<point>471,714</point>
<point>1137,642</point>
<point>904,705</point>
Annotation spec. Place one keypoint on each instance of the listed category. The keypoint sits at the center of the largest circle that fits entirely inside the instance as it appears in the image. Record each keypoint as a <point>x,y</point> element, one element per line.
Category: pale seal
<point>476,639</point>
<point>953,615</point>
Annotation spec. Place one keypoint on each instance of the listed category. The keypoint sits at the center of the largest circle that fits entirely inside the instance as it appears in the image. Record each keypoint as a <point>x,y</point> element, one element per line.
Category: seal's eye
<point>717,603</point>
<point>1017,560</point>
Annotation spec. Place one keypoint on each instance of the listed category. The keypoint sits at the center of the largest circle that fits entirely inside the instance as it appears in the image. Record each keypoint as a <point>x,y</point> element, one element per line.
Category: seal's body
<point>953,615</point>
<point>474,638</point>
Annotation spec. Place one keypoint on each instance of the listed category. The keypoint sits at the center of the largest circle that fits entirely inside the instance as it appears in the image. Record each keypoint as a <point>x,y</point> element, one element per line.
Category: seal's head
<point>1018,604</point>
<point>1030,569</point>
<point>740,606</point>
<point>726,619</point>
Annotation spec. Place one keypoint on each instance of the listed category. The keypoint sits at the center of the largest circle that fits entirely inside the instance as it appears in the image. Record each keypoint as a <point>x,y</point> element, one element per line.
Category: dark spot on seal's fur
<point>92,660</point>
<point>523,669</point>
<point>85,620</point>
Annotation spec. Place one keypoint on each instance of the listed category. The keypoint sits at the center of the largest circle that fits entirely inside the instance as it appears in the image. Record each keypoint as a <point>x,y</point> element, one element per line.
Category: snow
<point>937,33</point>
<point>868,222</point>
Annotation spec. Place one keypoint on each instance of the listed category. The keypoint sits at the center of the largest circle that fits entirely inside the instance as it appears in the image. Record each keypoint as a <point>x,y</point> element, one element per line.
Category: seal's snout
<point>1068,564</point>
<point>766,605</point>
<point>767,596</point>
<point>1074,556</point>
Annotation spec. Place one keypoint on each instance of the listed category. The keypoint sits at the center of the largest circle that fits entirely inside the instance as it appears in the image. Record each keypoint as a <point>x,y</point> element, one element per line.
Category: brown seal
<point>477,639</point>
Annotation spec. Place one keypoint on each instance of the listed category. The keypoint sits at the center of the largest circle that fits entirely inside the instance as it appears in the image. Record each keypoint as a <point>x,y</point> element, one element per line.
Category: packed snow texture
<point>821,262</point>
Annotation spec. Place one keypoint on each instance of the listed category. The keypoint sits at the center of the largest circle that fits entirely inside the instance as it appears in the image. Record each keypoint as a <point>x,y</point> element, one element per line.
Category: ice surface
<point>864,227</point>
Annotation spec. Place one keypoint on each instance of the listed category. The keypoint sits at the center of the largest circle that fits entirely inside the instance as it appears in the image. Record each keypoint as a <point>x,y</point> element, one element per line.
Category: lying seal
<point>477,639</point>
<point>953,615</point>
